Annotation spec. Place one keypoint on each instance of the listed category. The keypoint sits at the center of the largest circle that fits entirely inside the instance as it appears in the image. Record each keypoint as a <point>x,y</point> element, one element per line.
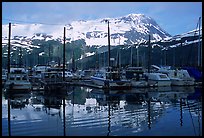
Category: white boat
<point>136,76</point>
<point>178,77</point>
<point>158,79</point>
<point>110,79</point>
<point>18,80</point>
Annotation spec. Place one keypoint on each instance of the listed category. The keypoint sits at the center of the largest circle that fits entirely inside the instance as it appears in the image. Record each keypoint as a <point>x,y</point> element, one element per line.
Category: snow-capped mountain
<point>123,30</point>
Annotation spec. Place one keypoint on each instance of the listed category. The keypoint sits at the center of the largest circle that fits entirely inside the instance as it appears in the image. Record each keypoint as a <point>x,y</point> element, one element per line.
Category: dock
<point>87,83</point>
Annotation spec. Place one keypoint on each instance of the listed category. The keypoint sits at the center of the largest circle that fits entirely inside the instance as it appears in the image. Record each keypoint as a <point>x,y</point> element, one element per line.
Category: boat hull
<point>139,83</point>
<point>158,79</point>
<point>159,83</point>
<point>182,82</point>
<point>23,86</point>
<point>112,84</point>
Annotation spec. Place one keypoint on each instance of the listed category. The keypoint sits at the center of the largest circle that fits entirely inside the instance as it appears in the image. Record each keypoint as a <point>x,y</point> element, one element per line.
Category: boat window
<point>24,78</point>
<point>11,78</point>
<point>18,72</point>
<point>18,78</point>
<point>162,76</point>
<point>52,76</point>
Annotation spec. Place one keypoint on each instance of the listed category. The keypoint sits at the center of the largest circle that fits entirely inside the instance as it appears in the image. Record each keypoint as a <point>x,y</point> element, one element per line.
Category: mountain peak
<point>135,15</point>
<point>128,29</point>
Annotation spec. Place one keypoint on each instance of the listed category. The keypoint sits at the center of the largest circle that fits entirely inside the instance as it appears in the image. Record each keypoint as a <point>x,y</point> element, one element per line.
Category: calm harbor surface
<point>83,111</point>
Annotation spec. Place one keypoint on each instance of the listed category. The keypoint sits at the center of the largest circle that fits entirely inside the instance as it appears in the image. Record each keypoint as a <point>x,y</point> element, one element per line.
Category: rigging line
<point>30,22</point>
<point>189,57</point>
<point>191,117</point>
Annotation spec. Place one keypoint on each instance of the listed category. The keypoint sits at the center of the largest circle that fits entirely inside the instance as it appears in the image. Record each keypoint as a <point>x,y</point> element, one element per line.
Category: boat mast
<point>20,58</point>
<point>199,47</point>
<point>49,56</point>
<point>73,62</point>
<point>64,56</point>
<point>149,54</point>
<point>108,45</point>
<point>131,55</point>
<point>9,45</point>
<point>137,55</point>
<point>149,51</point>
<point>118,59</point>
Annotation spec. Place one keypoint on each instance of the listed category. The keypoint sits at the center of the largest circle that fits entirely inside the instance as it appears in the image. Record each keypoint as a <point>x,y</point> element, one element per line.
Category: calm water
<point>82,111</point>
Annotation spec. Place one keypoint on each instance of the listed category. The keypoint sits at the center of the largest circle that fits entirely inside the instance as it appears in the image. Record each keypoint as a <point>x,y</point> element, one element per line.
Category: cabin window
<point>52,76</point>
<point>11,78</point>
<point>46,76</point>
<point>18,78</point>
<point>162,76</point>
<point>24,78</point>
<point>18,71</point>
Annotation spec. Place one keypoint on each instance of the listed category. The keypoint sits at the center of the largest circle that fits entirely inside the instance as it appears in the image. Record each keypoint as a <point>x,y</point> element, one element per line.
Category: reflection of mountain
<point>85,111</point>
<point>137,110</point>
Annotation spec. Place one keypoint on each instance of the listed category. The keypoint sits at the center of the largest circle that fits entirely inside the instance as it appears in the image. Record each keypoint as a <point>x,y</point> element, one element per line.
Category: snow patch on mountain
<point>128,29</point>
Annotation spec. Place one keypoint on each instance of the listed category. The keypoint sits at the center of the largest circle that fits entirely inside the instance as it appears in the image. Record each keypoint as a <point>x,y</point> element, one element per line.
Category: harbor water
<point>83,111</point>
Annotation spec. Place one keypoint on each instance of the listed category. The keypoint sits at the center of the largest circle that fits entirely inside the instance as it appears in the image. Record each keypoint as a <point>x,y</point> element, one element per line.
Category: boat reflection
<point>85,110</point>
<point>134,110</point>
<point>18,100</point>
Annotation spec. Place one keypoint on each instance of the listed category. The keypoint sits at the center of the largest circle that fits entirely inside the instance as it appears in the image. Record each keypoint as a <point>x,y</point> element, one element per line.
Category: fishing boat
<point>68,74</point>
<point>18,80</point>
<point>110,78</point>
<point>136,76</point>
<point>52,81</point>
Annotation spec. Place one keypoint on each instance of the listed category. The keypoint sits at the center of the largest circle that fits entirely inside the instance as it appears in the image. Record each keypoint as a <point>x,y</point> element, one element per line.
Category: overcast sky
<point>173,17</point>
